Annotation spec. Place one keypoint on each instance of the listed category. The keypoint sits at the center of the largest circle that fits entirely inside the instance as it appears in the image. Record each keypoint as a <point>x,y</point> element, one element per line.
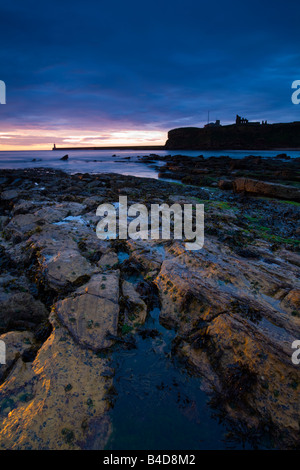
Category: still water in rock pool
<point>159,405</point>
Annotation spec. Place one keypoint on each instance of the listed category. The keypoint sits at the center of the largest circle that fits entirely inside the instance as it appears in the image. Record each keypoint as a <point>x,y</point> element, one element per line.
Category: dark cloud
<point>147,65</point>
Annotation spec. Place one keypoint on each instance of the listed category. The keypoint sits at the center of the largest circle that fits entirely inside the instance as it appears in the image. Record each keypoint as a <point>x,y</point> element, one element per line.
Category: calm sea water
<point>109,161</point>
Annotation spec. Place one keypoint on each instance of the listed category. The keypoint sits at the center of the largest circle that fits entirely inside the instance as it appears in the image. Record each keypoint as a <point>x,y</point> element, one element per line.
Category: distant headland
<point>242,135</point>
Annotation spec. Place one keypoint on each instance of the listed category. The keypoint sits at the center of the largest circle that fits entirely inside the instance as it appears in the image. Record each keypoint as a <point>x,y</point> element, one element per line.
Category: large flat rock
<point>93,312</point>
<point>67,267</point>
<point>55,402</point>
<point>262,188</point>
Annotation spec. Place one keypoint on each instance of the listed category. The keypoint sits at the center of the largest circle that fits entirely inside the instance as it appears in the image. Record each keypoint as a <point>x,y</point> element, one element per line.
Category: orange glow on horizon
<point>43,139</point>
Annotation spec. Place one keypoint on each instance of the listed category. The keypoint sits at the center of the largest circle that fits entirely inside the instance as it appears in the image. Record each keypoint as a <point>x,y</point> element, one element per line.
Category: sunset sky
<point>123,72</point>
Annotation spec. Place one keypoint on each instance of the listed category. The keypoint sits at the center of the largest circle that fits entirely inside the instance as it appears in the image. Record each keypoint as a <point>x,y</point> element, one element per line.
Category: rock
<point>292,302</point>
<point>56,401</point>
<point>93,202</point>
<point>68,266</point>
<point>225,184</point>
<point>52,239</point>
<point>16,342</point>
<point>233,329</point>
<point>59,260</point>
<point>186,296</point>
<point>206,172</point>
<point>11,285</point>
<point>51,214</point>
<point>136,309</point>
<point>21,311</point>
<point>3,221</point>
<point>108,260</point>
<point>22,225</point>
<point>147,253</point>
<point>262,188</point>
<point>233,304</point>
<point>58,212</point>
<point>92,314</point>
<point>269,366</point>
<point>65,157</point>
<point>23,206</point>
<point>283,156</point>
<point>10,194</point>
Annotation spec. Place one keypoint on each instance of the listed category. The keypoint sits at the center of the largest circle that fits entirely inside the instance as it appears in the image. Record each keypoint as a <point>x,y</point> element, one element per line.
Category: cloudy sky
<point>100,72</point>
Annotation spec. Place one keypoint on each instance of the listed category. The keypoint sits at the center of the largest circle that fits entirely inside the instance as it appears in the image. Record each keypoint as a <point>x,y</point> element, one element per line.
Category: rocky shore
<point>277,177</point>
<point>65,299</point>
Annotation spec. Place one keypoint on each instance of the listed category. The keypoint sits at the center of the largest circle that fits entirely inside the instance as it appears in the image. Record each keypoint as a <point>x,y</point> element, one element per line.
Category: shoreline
<point>232,316</point>
<point>162,147</point>
<point>120,147</point>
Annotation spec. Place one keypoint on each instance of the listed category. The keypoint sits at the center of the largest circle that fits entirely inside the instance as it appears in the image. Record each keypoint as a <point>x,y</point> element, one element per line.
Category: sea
<point>125,162</point>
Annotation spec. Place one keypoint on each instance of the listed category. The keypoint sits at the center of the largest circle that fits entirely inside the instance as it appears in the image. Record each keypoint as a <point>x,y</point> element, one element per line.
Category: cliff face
<point>236,137</point>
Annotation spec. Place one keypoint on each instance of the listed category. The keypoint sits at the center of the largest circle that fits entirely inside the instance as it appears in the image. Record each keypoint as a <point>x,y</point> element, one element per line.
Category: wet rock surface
<point>135,307</point>
<point>277,177</point>
<point>263,188</point>
<point>91,314</point>
<point>54,401</point>
<point>67,299</point>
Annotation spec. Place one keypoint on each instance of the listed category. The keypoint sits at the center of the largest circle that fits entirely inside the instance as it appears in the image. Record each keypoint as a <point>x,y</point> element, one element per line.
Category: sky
<point>100,73</point>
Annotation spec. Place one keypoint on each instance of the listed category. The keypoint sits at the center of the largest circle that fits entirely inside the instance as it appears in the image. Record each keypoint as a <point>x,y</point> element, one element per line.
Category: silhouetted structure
<point>213,124</point>
<point>239,120</point>
<point>241,135</point>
